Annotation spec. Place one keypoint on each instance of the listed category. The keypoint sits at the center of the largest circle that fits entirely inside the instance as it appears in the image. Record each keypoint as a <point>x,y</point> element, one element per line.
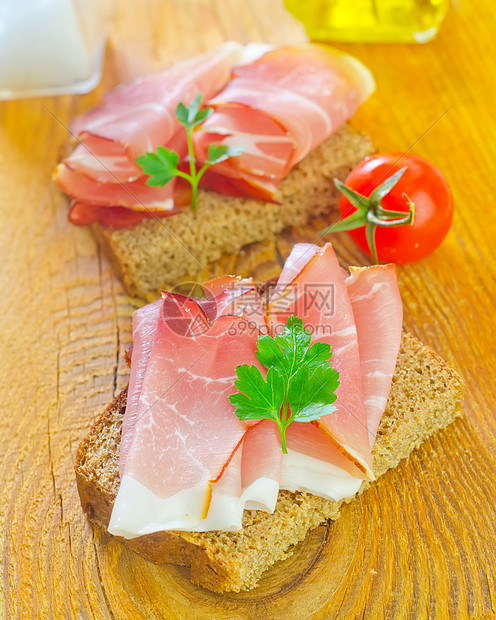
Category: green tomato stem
<point>370,234</point>
<point>370,212</point>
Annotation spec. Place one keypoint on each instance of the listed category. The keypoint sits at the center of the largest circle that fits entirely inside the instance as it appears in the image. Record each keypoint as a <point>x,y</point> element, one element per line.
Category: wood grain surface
<point>422,542</point>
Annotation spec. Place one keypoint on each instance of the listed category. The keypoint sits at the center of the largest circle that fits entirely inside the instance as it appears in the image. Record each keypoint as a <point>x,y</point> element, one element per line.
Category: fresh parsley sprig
<point>162,166</point>
<point>300,384</point>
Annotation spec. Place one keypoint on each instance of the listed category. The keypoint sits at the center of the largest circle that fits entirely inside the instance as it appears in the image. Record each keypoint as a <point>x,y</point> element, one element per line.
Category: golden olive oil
<point>371,21</point>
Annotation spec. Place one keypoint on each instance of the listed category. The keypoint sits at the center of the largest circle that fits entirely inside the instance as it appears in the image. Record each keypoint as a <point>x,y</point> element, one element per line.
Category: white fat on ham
<point>315,465</point>
<point>261,466</point>
<point>301,472</point>
<point>253,51</point>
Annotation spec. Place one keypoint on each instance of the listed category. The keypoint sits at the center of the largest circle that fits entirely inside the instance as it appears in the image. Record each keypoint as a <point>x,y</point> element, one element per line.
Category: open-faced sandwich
<point>254,412</point>
<point>269,137</point>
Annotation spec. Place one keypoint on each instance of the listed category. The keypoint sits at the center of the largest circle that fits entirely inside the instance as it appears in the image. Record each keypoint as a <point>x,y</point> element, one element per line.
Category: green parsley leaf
<point>216,153</point>
<point>202,116</point>
<point>162,166</point>
<point>312,392</point>
<point>182,114</point>
<point>265,395</point>
<point>300,385</point>
<point>220,152</point>
<point>317,354</point>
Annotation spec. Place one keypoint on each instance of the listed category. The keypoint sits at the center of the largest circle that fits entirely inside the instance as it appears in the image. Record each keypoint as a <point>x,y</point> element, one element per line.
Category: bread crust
<point>426,395</point>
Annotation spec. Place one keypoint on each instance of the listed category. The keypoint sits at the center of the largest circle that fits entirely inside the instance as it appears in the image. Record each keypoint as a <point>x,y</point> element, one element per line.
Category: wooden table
<point>422,542</point>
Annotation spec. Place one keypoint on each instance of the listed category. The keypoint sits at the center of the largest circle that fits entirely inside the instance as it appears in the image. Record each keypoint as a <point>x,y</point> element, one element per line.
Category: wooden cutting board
<point>422,542</point>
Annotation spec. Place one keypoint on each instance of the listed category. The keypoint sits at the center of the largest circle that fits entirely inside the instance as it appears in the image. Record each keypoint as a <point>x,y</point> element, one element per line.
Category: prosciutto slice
<point>187,462</point>
<point>319,296</point>
<point>246,300</point>
<point>135,195</point>
<point>183,431</point>
<point>378,313</point>
<point>140,116</point>
<point>145,322</point>
<point>280,107</point>
<point>132,120</point>
<point>261,466</point>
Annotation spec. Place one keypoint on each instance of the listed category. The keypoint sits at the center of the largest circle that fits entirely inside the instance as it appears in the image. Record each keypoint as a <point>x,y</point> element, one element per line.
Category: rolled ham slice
<point>280,107</point>
<point>140,116</point>
<point>132,120</point>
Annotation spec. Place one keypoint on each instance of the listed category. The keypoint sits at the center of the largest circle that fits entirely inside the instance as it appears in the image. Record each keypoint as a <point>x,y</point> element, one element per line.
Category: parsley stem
<point>283,439</point>
<point>202,171</point>
<point>194,192</point>
<point>192,168</point>
<point>284,421</point>
<point>162,166</point>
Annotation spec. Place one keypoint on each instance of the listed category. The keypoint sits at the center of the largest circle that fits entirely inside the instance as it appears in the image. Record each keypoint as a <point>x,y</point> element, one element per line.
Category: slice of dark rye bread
<point>426,395</point>
<point>176,248</point>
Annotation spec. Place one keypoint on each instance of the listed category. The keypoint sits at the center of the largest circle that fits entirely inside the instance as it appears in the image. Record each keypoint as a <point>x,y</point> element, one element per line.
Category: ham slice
<point>187,462</point>
<point>132,120</point>
<point>184,431</point>
<point>319,296</point>
<point>140,116</point>
<point>83,214</point>
<point>280,107</point>
<point>246,300</point>
<point>167,335</point>
<point>134,195</point>
<point>378,313</point>
<point>261,466</point>
<point>145,322</point>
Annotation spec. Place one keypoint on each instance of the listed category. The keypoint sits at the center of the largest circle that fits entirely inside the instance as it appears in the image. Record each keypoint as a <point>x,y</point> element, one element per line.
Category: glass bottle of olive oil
<point>370,21</point>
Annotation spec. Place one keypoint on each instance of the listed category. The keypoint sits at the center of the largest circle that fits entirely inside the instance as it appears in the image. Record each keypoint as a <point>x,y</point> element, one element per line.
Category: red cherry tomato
<point>427,189</point>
